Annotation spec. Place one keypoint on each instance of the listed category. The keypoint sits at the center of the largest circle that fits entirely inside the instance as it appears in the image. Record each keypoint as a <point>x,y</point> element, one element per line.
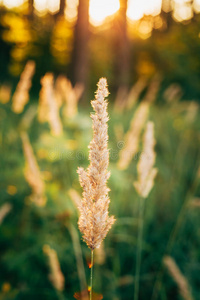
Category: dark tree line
<point>81,50</point>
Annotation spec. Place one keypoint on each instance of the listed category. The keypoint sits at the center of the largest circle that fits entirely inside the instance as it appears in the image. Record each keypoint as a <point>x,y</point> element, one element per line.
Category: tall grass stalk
<point>139,247</point>
<point>143,185</point>
<point>79,256</point>
<point>94,221</point>
<point>91,273</point>
<point>178,277</point>
<point>173,234</point>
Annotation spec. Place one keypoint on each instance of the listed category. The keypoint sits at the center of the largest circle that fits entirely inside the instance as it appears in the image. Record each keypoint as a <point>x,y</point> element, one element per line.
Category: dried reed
<point>146,172</point>
<point>178,277</point>
<point>21,95</point>
<point>69,94</point>
<point>94,222</point>
<point>144,184</point>
<point>4,210</point>
<point>153,89</point>
<point>121,99</point>
<point>27,118</point>
<point>48,107</point>
<point>179,222</point>
<point>135,92</point>
<point>173,93</point>
<point>5,93</point>
<point>133,135</point>
<point>32,173</point>
<point>137,123</point>
<point>56,276</point>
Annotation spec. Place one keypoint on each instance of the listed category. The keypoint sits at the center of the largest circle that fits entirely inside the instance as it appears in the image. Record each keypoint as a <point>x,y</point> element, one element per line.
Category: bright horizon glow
<point>100,9</point>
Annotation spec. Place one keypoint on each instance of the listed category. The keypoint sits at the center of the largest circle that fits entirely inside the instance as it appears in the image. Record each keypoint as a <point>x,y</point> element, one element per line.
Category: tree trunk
<point>31,8</point>
<point>62,7</point>
<point>81,40</point>
<point>123,54</point>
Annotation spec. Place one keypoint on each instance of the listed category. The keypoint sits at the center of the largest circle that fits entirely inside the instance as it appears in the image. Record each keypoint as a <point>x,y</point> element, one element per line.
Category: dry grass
<point>56,276</point>
<point>178,277</point>
<point>94,222</point>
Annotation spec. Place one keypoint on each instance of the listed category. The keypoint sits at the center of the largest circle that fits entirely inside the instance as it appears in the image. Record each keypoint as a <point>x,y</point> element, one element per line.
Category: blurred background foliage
<point>161,50</point>
<point>155,44</point>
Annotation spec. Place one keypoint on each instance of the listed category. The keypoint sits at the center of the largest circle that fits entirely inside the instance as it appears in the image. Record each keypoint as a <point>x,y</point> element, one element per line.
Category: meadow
<point>42,255</point>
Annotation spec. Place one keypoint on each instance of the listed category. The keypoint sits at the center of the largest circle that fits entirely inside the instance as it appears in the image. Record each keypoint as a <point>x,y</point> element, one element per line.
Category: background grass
<point>24,267</point>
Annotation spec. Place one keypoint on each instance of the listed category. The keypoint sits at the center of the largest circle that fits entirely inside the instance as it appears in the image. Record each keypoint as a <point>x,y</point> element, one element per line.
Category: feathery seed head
<point>178,277</point>
<point>94,222</point>
<point>133,135</point>
<point>146,172</point>
<point>21,95</point>
<point>56,276</point>
<point>48,106</point>
<point>32,173</point>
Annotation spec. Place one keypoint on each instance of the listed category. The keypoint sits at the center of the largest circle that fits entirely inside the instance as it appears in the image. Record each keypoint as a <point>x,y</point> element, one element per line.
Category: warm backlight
<point>12,3</point>
<point>137,8</point>
<point>100,9</point>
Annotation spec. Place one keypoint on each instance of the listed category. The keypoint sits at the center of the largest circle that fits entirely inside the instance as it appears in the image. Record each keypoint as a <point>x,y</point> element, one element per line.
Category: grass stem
<point>139,247</point>
<point>79,256</point>
<point>174,233</point>
<point>91,273</point>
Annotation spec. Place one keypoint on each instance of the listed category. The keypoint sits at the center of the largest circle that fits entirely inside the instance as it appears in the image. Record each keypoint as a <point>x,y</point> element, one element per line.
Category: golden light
<point>46,5</point>
<point>183,10</point>
<point>12,3</point>
<point>196,5</point>
<point>71,9</point>
<point>100,9</point>
<point>40,5</point>
<point>137,8</point>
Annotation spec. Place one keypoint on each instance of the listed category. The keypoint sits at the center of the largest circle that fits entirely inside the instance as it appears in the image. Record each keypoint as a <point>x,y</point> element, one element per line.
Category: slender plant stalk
<point>139,246</point>
<point>79,256</point>
<point>173,235</point>
<point>60,295</point>
<point>94,221</point>
<point>146,175</point>
<point>175,230</point>
<point>91,273</point>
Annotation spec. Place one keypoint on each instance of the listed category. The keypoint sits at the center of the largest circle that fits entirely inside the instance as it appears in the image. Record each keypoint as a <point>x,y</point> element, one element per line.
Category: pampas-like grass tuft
<point>94,222</point>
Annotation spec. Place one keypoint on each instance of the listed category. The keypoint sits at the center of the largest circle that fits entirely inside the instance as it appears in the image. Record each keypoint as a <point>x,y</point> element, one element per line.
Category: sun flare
<point>100,9</point>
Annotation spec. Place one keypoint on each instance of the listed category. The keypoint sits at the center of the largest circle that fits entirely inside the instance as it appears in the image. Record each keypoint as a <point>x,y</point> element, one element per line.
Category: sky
<point>100,9</point>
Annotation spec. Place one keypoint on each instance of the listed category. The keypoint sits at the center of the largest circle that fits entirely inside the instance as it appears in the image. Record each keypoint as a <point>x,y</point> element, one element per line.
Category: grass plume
<point>48,106</point>
<point>56,276</point>
<point>21,95</point>
<point>178,277</point>
<point>94,222</point>
<point>146,172</point>
<point>133,135</point>
<point>32,173</point>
